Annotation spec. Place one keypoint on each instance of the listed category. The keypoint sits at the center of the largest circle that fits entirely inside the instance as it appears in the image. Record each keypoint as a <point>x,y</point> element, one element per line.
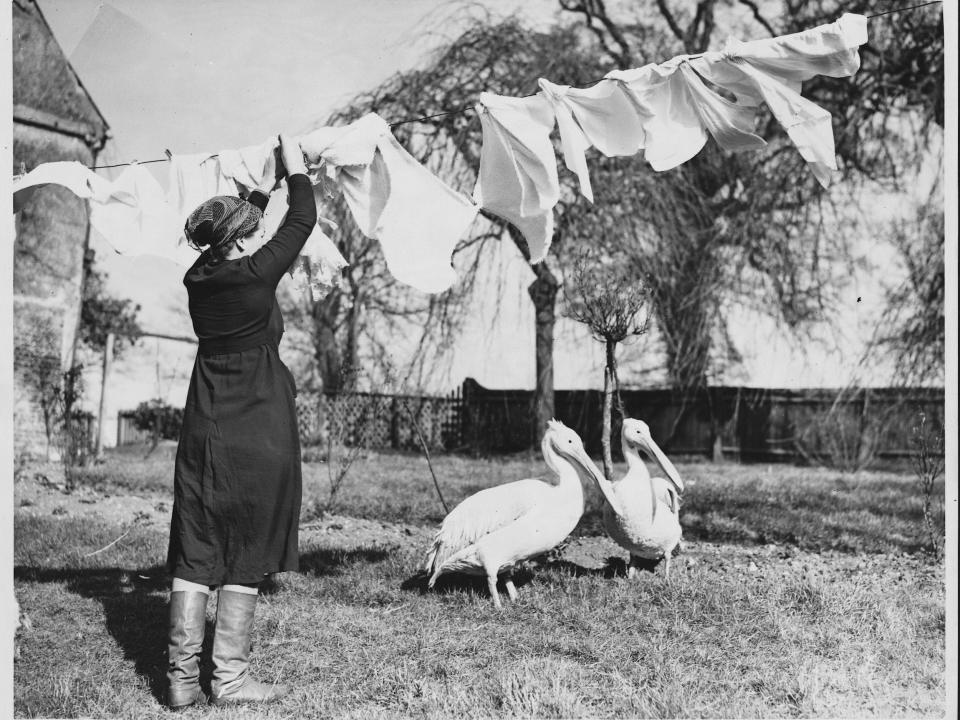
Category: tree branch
<point>758,17</point>
<point>671,21</point>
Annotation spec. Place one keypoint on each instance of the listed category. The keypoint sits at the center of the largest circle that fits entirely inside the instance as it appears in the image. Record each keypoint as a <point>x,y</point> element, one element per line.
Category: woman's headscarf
<point>219,220</point>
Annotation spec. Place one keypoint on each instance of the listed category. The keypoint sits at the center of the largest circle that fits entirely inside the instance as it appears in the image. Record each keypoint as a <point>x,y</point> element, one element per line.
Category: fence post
<point>394,423</point>
<point>107,363</point>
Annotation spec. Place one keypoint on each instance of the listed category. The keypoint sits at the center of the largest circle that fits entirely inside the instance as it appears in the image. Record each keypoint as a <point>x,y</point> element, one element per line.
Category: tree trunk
<point>608,375</point>
<point>326,348</point>
<point>543,292</point>
<point>350,363</point>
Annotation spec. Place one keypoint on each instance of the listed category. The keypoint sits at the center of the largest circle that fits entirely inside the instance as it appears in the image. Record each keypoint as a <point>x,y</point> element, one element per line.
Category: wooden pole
<point>107,363</point>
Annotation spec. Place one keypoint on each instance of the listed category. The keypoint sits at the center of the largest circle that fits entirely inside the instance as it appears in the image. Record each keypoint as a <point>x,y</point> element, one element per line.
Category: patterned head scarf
<point>219,220</point>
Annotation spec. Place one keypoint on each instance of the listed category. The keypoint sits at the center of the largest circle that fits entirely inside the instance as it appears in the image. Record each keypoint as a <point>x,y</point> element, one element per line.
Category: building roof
<point>47,91</point>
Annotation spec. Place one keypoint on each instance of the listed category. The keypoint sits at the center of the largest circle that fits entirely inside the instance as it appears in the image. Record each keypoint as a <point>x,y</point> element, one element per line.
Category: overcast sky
<point>196,76</point>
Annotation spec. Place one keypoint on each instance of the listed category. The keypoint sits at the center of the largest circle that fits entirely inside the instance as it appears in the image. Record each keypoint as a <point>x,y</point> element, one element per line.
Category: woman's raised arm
<point>276,256</point>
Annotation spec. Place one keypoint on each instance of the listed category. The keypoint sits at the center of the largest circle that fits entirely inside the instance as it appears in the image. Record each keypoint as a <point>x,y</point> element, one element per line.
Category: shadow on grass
<point>136,605</point>
<point>325,561</point>
<point>464,583</point>
<point>613,567</point>
<point>460,582</point>
<point>135,611</point>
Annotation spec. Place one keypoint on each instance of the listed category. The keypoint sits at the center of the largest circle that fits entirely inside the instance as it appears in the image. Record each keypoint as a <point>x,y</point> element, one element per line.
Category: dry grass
<point>813,508</point>
<point>833,620</point>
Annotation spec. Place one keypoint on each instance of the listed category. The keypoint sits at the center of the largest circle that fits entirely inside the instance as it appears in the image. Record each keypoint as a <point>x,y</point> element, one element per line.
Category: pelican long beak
<point>605,486</point>
<point>664,462</point>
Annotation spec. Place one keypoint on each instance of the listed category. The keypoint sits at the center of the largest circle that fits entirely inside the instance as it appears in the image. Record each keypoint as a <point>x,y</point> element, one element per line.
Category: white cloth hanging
<point>518,169</point>
<point>194,179</point>
<point>830,49</point>
<point>600,116</point>
<point>603,113</point>
<point>730,124</point>
<point>573,141</point>
<point>245,165</point>
<point>416,217</point>
<point>673,130</point>
<point>136,219</point>
<point>79,179</point>
<point>422,223</point>
<point>130,213</point>
<point>772,70</point>
<point>808,125</point>
<point>318,266</point>
<point>666,109</point>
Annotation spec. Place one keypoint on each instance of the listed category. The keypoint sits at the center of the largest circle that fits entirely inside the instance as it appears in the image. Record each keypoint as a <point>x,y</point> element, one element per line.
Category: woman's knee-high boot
<point>231,654</point>
<point>188,617</point>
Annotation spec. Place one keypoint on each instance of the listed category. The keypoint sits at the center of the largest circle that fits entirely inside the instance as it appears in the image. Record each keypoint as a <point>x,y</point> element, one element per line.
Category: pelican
<point>493,530</point>
<point>648,523</point>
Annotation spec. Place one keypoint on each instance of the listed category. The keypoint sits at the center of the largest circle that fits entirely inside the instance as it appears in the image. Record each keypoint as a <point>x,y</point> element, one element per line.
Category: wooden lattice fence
<point>378,420</point>
<point>845,428</point>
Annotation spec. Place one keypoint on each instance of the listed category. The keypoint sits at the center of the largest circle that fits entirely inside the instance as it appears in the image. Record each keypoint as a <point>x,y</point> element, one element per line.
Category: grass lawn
<point>800,592</point>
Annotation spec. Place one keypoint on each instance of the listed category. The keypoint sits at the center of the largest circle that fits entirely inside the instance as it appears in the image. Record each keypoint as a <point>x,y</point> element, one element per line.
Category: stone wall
<point>51,238</point>
<point>53,119</point>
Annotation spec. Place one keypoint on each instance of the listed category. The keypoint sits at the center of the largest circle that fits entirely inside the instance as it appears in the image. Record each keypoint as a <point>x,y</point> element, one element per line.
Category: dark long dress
<point>237,482</point>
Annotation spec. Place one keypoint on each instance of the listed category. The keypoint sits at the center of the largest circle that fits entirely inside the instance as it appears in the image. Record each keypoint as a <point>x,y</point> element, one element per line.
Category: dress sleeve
<point>276,256</point>
<point>258,199</point>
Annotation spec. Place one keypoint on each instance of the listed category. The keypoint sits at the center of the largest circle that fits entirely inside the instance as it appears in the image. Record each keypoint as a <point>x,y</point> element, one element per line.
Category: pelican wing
<point>664,492</point>
<point>480,514</point>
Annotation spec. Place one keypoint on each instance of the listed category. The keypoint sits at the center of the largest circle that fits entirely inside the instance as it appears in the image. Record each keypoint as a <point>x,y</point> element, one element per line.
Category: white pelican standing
<point>648,521</point>
<point>493,530</point>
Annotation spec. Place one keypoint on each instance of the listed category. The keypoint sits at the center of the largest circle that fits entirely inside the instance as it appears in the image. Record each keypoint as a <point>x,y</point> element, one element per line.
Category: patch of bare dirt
<point>45,493</point>
<point>351,533</point>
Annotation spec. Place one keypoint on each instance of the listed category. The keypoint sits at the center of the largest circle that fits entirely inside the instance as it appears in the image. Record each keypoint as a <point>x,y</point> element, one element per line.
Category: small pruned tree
<point>614,304</point>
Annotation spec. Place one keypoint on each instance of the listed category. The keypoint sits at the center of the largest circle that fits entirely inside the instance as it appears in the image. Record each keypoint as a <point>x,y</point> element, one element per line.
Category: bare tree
<point>359,323</point>
<point>754,228</point>
<point>605,295</point>
<point>913,329</point>
<point>502,57</point>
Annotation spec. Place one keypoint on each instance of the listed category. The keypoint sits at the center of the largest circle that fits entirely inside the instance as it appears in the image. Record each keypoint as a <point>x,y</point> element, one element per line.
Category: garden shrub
<point>163,421</point>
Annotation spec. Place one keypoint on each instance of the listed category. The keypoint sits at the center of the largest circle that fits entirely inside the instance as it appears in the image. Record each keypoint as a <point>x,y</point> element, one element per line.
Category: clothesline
<point>669,111</point>
<point>468,108</point>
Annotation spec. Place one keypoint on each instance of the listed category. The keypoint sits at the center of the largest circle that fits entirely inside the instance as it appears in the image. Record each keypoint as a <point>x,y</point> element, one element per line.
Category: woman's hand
<point>272,174</point>
<point>292,156</point>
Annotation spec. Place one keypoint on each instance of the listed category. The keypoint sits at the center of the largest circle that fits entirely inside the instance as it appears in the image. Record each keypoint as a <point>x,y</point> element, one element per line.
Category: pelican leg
<point>511,589</point>
<point>632,567</point>
<point>492,584</point>
<point>666,567</point>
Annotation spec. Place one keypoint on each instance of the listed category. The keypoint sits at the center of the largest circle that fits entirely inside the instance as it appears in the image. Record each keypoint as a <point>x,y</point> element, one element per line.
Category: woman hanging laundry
<point>237,483</point>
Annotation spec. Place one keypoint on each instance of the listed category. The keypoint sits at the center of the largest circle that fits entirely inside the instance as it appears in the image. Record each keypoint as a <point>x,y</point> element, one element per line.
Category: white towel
<point>416,217</point>
<point>518,169</point>
<point>601,116</point>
